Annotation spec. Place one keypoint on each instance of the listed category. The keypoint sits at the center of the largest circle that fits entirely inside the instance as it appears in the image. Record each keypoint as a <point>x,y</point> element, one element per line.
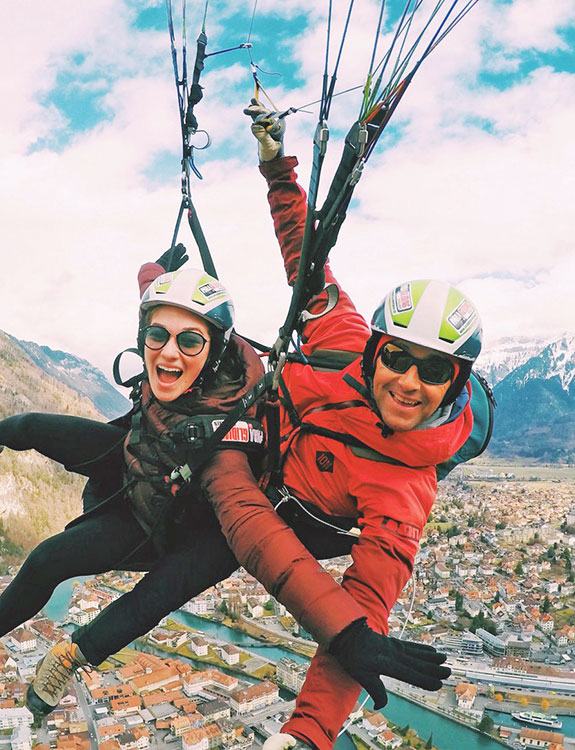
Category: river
<point>447,735</point>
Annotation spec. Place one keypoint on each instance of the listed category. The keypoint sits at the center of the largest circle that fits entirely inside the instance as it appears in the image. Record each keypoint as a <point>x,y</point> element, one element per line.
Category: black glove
<point>173,258</point>
<point>366,655</point>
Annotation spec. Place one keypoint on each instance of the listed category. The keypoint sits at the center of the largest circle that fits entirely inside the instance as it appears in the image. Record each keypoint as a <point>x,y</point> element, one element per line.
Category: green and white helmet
<point>202,294</point>
<point>433,314</point>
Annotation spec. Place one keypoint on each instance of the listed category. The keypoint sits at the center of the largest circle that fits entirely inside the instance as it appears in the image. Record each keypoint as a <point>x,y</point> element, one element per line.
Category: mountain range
<point>533,382</point>
<point>534,386</point>
<point>79,375</point>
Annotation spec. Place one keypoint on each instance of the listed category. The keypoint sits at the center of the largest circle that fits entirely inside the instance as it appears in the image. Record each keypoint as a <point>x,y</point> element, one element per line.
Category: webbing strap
<point>130,382</point>
<point>351,441</point>
<point>189,126</point>
<point>186,471</point>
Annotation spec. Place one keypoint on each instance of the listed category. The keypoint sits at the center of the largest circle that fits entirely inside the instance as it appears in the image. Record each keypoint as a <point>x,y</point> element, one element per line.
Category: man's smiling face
<point>403,399</point>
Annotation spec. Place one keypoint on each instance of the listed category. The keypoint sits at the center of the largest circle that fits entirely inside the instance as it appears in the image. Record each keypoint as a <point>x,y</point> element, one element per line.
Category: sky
<point>472,181</point>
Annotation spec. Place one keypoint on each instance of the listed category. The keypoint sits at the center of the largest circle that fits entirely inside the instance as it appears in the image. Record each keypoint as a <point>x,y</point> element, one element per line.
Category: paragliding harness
<point>200,435</point>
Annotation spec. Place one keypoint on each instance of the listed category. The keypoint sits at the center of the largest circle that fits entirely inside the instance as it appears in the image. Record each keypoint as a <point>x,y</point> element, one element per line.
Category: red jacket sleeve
<point>343,328</point>
<point>269,549</point>
<point>148,273</point>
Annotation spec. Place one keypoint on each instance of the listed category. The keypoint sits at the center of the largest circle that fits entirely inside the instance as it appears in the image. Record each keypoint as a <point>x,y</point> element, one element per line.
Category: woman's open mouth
<point>168,375</point>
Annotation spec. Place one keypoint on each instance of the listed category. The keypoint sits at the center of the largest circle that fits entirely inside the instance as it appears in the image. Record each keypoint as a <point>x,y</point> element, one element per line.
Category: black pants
<point>84,446</point>
<point>99,543</point>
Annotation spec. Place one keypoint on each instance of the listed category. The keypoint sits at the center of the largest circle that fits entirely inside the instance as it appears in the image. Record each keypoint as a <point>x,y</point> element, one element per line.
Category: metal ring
<point>208,140</point>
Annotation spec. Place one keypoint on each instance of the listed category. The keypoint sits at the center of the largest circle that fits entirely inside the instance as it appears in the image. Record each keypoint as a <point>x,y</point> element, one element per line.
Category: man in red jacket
<point>360,443</point>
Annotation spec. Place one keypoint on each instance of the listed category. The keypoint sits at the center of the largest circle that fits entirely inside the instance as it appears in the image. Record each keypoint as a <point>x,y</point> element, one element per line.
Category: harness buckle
<point>181,473</point>
<point>361,141</point>
<point>356,173</point>
<point>278,371</point>
<point>192,432</point>
<point>321,137</point>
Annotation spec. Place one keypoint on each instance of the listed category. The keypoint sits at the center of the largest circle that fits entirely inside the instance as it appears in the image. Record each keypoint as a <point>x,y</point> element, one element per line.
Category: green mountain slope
<point>37,496</point>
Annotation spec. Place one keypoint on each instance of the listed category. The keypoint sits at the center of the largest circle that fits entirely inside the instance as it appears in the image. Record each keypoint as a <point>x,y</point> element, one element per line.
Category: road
<point>265,713</point>
<point>86,710</point>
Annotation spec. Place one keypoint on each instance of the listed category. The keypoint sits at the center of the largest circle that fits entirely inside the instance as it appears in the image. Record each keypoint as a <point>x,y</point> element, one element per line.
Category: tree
<point>486,724</point>
<point>545,704</point>
<point>458,601</point>
<point>518,569</point>
<point>546,606</point>
<point>481,621</point>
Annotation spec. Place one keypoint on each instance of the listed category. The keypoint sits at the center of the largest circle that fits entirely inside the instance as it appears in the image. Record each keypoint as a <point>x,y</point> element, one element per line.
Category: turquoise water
<point>447,735</point>
<point>272,653</point>
<point>57,607</point>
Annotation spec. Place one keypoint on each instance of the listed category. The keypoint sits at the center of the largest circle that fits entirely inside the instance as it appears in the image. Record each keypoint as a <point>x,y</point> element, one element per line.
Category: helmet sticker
<point>164,284</point>
<point>462,317</point>
<point>211,288</point>
<point>401,299</point>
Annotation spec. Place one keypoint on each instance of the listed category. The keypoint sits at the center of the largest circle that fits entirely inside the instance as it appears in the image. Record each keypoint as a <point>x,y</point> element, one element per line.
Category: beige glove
<point>268,129</point>
<point>279,741</point>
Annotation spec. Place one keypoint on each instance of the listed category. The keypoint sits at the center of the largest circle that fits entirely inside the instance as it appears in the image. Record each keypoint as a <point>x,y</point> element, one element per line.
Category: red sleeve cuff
<point>148,273</point>
<point>278,167</point>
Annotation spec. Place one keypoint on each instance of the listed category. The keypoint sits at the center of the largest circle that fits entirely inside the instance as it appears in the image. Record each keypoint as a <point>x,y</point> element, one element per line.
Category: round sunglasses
<point>190,343</point>
<point>433,370</point>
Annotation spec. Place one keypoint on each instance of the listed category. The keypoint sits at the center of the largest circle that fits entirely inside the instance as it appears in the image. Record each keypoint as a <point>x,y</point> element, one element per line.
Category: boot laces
<point>55,674</point>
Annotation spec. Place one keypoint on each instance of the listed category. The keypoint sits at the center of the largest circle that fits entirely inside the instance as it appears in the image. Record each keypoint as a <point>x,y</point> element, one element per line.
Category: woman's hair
<point>231,369</point>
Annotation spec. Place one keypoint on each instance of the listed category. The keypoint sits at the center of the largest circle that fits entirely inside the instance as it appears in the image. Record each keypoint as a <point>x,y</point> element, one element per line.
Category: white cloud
<point>489,210</point>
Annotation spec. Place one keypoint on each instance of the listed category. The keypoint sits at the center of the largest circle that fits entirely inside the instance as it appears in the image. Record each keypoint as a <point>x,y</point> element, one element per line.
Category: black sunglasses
<point>433,370</point>
<point>190,343</point>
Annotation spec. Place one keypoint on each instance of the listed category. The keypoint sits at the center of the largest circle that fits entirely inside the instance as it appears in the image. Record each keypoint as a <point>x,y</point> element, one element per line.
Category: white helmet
<point>202,294</point>
<point>430,313</point>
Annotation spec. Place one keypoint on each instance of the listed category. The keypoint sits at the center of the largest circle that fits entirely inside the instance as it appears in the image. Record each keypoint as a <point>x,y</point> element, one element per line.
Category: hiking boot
<point>52,677</point>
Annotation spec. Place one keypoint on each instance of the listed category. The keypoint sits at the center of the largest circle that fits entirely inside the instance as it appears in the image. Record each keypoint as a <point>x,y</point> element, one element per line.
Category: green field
<point>522,471</point>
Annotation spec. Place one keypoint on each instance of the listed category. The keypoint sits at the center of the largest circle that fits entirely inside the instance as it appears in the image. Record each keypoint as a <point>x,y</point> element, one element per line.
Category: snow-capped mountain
<point>77,374</point>
<point>536,404</point>
<point>506,355</point>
